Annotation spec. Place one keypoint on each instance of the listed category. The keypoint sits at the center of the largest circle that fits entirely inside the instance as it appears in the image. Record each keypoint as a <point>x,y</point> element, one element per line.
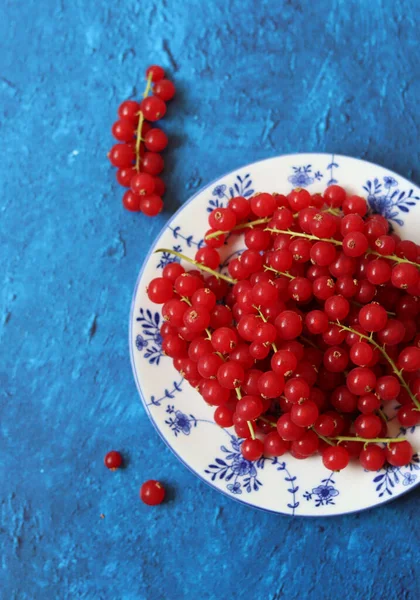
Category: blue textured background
<point>254,79</point>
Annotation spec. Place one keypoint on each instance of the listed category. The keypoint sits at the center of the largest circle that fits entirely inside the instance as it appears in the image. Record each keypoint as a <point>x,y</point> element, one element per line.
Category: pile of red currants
<point>137,155</point>
<point>304,344</point>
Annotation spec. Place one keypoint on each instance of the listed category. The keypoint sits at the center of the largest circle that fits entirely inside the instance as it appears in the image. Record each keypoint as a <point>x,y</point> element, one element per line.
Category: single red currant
<point>152,492</point>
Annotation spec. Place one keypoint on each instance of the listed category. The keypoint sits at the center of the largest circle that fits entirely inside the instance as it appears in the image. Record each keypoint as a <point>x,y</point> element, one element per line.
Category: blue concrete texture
<point>254,79</point>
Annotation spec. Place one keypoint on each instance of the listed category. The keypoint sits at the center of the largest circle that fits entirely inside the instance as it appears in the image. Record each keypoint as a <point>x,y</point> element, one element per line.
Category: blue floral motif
<point>242,474</point>
<point>189,239</point>
<point>234,468</point>
<point>150,340</point>
<point>324,493</point>
<point>165,258</point>
<point>168,394</point>
<point>333,165</point>
<point>303,176</point>
<point>390,476</point>
<point>388,200</point>
<point>219,191</point>
<point>242,186</point>
<point>179,422</point>
<point>141,343</point>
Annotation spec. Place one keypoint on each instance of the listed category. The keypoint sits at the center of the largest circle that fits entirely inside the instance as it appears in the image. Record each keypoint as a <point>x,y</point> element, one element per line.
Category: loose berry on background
<point>113,460</point>
<point>152,492</point>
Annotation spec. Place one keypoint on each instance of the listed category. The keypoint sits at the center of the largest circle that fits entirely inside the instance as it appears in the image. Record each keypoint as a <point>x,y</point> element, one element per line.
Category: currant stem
<point>267,268</point>
<point>264,320</point>
<point>325,439</point>
<point>348,438</point>
<point>197,264</point>
<point>392,257</point>
<point>249,423</point>
<point>267,421</point>
<point>140,124</point>
<point>385,354</point>
<point>248,225</point>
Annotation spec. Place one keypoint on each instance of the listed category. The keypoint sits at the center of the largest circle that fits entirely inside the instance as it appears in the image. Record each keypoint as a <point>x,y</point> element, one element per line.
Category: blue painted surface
<point>254,79</point>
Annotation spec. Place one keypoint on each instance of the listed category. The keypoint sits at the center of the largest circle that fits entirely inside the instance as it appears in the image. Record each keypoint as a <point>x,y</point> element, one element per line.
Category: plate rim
<point>131,328</point>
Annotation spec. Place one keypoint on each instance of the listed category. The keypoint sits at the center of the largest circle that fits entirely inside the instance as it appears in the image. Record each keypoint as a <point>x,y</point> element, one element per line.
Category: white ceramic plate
<point>284,485</point>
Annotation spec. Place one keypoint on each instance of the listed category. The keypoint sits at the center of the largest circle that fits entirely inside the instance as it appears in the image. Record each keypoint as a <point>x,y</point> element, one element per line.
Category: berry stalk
<point>398,373</point>
<point>141,121</point>
<point>199,266</point>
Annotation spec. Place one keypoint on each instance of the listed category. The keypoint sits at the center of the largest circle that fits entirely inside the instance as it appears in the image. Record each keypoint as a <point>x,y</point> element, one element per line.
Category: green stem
<point>348,438</point>
<point>385,354</point>
<point>267,421</point>
<point>262,317</point>
<point>140,124</point>
<point>392,257</point>
<point>327,440</point>
<point>267,268</point>
<point>249,423</point>
<point>197,264</point>
<point>248,225</point>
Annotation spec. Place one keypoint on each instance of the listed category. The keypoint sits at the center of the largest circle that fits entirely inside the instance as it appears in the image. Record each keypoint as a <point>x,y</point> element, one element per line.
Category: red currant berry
<point>223,219</point>
<point>368,403</point>
<point>336,359</point>
<point>122,156</point>
<point>152,492</point>
<point>155,140</point>
<point>123,130</point>
<point>173,312</point>
<point>305,413</point>
<point>113,460</point>
<point>152,163</point>
<point>230,375</point>
<point>257,239</point>
<point>408,416</point>
<point>274,445</point>
<point>373,317</point>
<point>151,205</point>
<point>392,334</point>
<point>289,325</point>
<point>156,72</point>
<point>196,319</point>
<point>172,271</point>
<point>335,458</point>
<point>306,446</point>
<point>252,449</point>
<point>337,308</point>
<point>164,89</point>
<point>153,108</point>
<point>160,290</point>
<point>223,416</point>
<point>270,385</point>
<point>143,184</point>
<point>409,359</point>
<point>287,430</point>
<point>399,454</point>
<point>212,392</point>
<point>344,400</point>
<point>249,407</point>
<point>404,276</point>
<point>323,287</point>
<point>124,176</point>
<point>263,205</point>
<point>174,346</point>
<point>361,353</point>
<point>355,244</point>
<point>372,458</point>
<point>240,207</point>
<point>388,387</point>
<point>368,426</point>
<point>129,110</point>
<point>325,425</point>
<point>361,380</point>
<point>131,201</point>
<point>334,196</point>
<point>355,205</point>
<point>208,257</point>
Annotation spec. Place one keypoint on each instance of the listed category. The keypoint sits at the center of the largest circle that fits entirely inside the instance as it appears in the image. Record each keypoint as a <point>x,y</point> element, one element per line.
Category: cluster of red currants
<point>310,336</point>
<point>137,155</point>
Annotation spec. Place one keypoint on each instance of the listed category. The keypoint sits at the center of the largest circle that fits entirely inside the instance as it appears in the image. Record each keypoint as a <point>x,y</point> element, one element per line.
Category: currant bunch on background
<point>140,142</point>
<point>310,338</point>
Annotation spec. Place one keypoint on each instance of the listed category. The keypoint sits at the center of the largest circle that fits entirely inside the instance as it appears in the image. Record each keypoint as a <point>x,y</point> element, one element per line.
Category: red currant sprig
<point>137,156</point>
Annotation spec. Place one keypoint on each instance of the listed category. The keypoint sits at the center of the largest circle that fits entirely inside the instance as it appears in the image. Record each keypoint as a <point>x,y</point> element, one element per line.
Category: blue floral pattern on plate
<point>324,493</point>
<point>150,340</point>
<point>386,198</point>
